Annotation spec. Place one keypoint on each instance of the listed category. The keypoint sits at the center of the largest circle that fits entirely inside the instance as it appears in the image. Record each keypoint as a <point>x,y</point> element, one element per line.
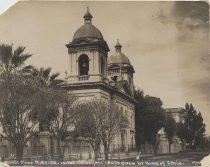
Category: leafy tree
<point>194,125</point>
<point>189,121</point>
<point>150,117</point>
<point>139,125</point>
<point>193,129</point>
<point>170,130</point>
<point>155,117</point>
<point>199,131</point>
<point>17,103</point>
<point>181,132</point>
<point>206,144</point>
<point>19,98</point>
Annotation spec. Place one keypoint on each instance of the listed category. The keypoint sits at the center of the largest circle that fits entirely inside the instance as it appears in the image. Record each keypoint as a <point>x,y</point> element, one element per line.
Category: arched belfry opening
<point>83,62</point>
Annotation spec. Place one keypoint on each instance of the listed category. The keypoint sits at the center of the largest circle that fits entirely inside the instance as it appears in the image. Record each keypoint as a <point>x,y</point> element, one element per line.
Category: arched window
<point>83,65</point>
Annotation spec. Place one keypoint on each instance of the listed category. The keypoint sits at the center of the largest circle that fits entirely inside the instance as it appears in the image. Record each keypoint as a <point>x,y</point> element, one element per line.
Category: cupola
<point>118,57</point>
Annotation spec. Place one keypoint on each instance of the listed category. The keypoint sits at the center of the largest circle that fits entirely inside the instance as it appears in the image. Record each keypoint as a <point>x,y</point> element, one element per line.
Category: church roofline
<point>174,110</point>
<point>123,66</point>
<point>101,85</point>
<point>87,44</point>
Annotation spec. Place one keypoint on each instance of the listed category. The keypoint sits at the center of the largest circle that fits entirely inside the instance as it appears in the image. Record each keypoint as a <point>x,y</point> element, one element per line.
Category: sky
<point>166,42</point>
<point>5,4</point>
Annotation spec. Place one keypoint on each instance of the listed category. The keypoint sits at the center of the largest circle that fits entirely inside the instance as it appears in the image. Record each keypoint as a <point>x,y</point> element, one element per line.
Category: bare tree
<point>60,104</point>
<point>88,123</point>
<point>114,121</point>
<point>100,121</point>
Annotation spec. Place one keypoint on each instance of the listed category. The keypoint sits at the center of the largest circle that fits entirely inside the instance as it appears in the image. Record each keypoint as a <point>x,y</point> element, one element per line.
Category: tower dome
<point>88,30</point>
<point>118,57</point>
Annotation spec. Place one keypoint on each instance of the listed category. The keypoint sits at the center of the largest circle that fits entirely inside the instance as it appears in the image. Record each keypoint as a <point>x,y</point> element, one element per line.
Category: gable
<point>123,87</point>
<point>127,89</point>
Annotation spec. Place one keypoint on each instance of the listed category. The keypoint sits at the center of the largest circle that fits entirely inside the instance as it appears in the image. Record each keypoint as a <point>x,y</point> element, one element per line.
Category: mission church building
<point>94,74</point>
<point>91,74</point>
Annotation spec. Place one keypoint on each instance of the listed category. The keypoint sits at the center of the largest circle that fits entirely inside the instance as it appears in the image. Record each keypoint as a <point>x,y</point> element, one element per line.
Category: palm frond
<point>46,72</point>
<point>19,60</point>
<point>30,70</point>
<point>11,60</point>
<point>57,82</point>
<point>18,51</point>
<point>16,58</point>
<point>54,76</point>
<point>5,53</point>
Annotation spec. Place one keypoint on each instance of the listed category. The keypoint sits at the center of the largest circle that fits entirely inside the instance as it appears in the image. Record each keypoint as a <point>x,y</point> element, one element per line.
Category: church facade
<point>92,73</point>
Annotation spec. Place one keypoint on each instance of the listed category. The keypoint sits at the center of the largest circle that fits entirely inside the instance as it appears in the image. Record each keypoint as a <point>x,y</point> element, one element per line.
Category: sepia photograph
<point>104,83</point>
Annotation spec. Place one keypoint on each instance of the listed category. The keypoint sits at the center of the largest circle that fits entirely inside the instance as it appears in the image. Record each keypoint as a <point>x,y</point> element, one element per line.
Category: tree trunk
<point>169,146</point>
<point>60,157</point>
<point>191,148</point>
<point>63,152</point>
<point>19,152</point>
<point>155,147</point>
<point>106,151</point>
<point>182,145</point>
<point>144,147</point>
<point>96,148</point>
<point>96,153</point>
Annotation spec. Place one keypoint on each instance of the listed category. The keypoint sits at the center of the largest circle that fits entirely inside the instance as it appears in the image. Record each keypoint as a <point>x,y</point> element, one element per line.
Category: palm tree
<point>16,102</point>
<point>43,76</point>
<point>12,61</point>
<point>50,85</point>
<point>47,83</point>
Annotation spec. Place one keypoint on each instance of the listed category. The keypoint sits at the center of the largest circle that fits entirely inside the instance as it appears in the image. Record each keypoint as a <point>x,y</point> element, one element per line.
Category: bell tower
<point>87,54</point>
<point>120,68</point>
